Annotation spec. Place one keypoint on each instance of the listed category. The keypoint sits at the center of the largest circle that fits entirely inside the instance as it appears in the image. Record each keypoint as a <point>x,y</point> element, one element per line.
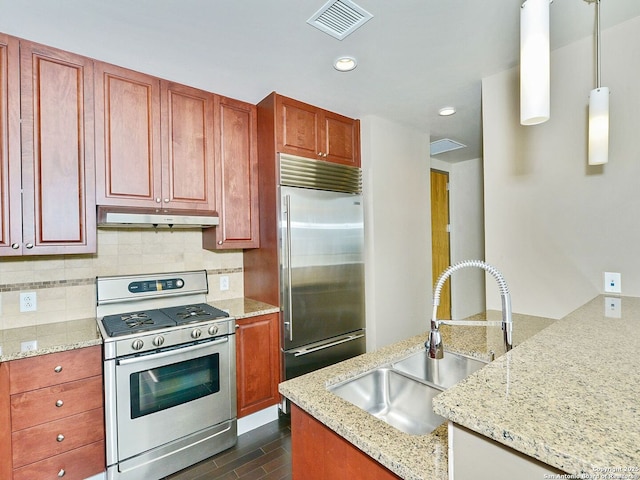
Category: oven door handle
<point>170,353</point>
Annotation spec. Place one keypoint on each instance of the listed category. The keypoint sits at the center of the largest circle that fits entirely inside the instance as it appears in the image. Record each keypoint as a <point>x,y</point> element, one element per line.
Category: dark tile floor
<point>263,453</point>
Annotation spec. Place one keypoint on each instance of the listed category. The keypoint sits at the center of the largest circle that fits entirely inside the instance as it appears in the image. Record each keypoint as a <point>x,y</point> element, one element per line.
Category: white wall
<point>466,216</point>
<point>554,224</point>
<point>395,163</point>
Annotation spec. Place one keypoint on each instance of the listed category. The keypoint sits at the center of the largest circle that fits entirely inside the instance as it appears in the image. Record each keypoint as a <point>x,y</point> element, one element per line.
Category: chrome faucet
<point>434,342</point>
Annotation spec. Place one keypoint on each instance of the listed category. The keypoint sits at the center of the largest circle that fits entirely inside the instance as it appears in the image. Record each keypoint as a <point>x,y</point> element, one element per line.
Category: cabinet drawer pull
<point>60,437</point>
<point>59,403</point>
<point>58,369</point>
<point>61,473</point>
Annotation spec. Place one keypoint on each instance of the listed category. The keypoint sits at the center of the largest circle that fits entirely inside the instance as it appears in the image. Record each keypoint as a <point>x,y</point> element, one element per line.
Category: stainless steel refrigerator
<point>321,239</point>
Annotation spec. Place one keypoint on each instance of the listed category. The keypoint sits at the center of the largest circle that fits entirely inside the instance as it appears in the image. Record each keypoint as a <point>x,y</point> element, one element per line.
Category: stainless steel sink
<point>402,402</point>
<point>444,373</point>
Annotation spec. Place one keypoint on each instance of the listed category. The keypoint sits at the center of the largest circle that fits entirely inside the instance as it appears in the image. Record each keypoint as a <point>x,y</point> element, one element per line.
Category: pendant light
<point>534,62</point>
<point>598,109</point>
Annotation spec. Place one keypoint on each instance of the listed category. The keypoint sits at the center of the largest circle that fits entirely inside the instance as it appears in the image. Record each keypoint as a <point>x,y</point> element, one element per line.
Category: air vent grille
<point>305,173</point>
<point>339,18</point>
<point>444,145</point>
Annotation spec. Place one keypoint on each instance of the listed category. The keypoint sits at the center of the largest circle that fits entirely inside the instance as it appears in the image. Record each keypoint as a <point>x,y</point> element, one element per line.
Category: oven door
<point>166,395</point>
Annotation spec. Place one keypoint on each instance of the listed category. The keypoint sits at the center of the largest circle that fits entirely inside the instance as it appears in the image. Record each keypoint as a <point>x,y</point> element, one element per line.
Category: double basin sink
<point>400,393</point>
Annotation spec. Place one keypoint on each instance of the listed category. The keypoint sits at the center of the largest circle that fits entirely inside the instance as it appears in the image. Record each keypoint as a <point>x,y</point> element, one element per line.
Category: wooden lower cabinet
<point>52,414</point>
<point>257,363</point>
<point>318,453</point>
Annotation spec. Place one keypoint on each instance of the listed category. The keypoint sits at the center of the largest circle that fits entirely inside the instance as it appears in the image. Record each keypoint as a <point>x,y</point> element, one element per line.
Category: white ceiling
<point>414,56</point>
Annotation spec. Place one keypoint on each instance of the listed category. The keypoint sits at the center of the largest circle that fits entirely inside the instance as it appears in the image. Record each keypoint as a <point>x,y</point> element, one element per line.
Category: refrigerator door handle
<point>289,320</point>
<point>315,348</point>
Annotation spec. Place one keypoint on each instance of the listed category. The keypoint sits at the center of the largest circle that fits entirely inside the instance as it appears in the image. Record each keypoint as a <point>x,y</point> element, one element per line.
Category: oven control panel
<point>156,285</point>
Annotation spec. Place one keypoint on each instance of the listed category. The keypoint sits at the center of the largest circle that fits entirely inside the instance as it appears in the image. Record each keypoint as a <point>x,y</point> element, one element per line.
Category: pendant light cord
<point>597,43</point>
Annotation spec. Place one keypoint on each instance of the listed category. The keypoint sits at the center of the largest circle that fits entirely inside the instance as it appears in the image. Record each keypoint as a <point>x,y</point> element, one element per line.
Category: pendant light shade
<point>599,126</point>
<point>598,109</point>
<point>534,62</point>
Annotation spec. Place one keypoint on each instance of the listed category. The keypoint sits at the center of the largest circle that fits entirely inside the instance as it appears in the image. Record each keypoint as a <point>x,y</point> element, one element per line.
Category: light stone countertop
<point>412,457</point>
<point>72,334</point>
<point>568,397</point>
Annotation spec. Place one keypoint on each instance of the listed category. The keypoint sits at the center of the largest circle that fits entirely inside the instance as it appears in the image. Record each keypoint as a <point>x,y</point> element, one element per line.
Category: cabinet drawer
<point>53,438</point>
<point>77,464</point>
<point>46,370</point>
<point>52,403</point>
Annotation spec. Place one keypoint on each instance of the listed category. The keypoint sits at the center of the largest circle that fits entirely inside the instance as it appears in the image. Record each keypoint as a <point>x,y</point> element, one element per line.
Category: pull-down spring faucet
<point>434,342</point>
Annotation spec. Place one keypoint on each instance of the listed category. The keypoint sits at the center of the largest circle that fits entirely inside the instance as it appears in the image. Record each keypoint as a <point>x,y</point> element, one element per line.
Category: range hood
<point>128,217</point>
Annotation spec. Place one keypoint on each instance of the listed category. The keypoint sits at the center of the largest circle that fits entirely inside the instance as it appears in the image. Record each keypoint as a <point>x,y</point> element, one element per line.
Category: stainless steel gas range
<point>169,373</point>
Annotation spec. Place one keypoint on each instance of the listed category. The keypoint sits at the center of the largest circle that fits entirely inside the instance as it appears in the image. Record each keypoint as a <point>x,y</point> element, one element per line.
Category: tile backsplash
<point>65,285</point>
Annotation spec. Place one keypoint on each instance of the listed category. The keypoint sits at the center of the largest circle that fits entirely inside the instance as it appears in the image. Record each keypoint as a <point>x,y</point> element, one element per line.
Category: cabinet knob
<point>58,369</point>
<point>158,200</point>
<point>61,473</point>
<point>29,245</point>
<point>219,242</point>
<point>59,403</point>
<point>15,246</point>
<point>166,200</point>
<point>60,437</point>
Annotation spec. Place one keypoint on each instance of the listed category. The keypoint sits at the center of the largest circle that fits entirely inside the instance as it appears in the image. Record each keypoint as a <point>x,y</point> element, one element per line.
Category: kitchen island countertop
<point>412,457</point>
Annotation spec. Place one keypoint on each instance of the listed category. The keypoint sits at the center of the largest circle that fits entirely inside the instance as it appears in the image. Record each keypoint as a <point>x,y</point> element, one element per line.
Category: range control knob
<point>196,333</point>
<point>137,344</point>
<point>213,329</point>
<point>158,341</point>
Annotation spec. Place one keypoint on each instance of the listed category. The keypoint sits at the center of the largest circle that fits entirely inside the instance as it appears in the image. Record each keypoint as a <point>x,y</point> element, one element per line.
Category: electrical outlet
<point>28,302</point>
<point>613,307</point>
<point>224,283</point>
<point>612,282</point>
<point>29,346</point>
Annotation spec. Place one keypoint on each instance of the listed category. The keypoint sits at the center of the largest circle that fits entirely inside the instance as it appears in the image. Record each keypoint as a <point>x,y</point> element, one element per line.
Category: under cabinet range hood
<point>129,217</point>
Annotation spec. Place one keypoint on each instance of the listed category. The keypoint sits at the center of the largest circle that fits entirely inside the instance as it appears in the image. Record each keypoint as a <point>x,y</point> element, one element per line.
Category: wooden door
<point>188,173</point>
<point>237,186</point>
<point>440,252</point>
<point>341,139</point>
<point>257,363</point>
<point>10,181</point>
<point>128,144</point>
<point>297,128</point>
<point>57,151</point>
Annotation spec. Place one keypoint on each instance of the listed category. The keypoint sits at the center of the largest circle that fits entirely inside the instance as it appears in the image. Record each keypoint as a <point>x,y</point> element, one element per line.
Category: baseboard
<point>255,420</point>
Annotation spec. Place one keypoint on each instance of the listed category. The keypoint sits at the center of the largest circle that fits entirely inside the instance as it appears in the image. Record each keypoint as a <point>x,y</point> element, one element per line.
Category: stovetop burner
<point>148,320</point>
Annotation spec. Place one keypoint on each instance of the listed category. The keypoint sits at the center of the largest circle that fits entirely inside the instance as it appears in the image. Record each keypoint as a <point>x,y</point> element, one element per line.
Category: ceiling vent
<point>445,145</point>
<point>339,18</point>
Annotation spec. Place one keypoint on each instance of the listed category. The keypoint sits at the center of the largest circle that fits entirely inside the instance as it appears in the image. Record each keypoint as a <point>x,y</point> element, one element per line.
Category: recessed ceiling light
<point>345,64</point>
<point>446,111</point>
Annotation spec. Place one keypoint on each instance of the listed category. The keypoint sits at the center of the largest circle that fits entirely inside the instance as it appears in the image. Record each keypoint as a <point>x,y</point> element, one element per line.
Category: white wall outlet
<point>612,282</point>
<point>613,307</point>
<point>224,283</point>
<point>28,302</point>
<point>29,346</point>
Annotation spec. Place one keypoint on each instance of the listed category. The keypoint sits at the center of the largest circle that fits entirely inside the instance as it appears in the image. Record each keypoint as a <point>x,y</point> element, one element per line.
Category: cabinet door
<point>128,153</point>
<point>341,137</point>
<point>10,181</point>
<point>297,128</point>
<point>257,363</point>
<point>57,151</point>
<point>237,189</point>
<point>187,147</point>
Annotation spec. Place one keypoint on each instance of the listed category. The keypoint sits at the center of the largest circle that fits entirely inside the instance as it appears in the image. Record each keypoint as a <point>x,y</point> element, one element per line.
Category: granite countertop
<point>567,397</point>
<point>412,457</point>
<point>71,334</point>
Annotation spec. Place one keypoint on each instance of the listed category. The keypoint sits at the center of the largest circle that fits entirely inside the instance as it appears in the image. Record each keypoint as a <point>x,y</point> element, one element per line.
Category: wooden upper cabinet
<point>10,181</point>
<point>128,152</point>
<point>154,142</point>
<point>308,131</point>
<point>57,151</point>
<point>237,177</point>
